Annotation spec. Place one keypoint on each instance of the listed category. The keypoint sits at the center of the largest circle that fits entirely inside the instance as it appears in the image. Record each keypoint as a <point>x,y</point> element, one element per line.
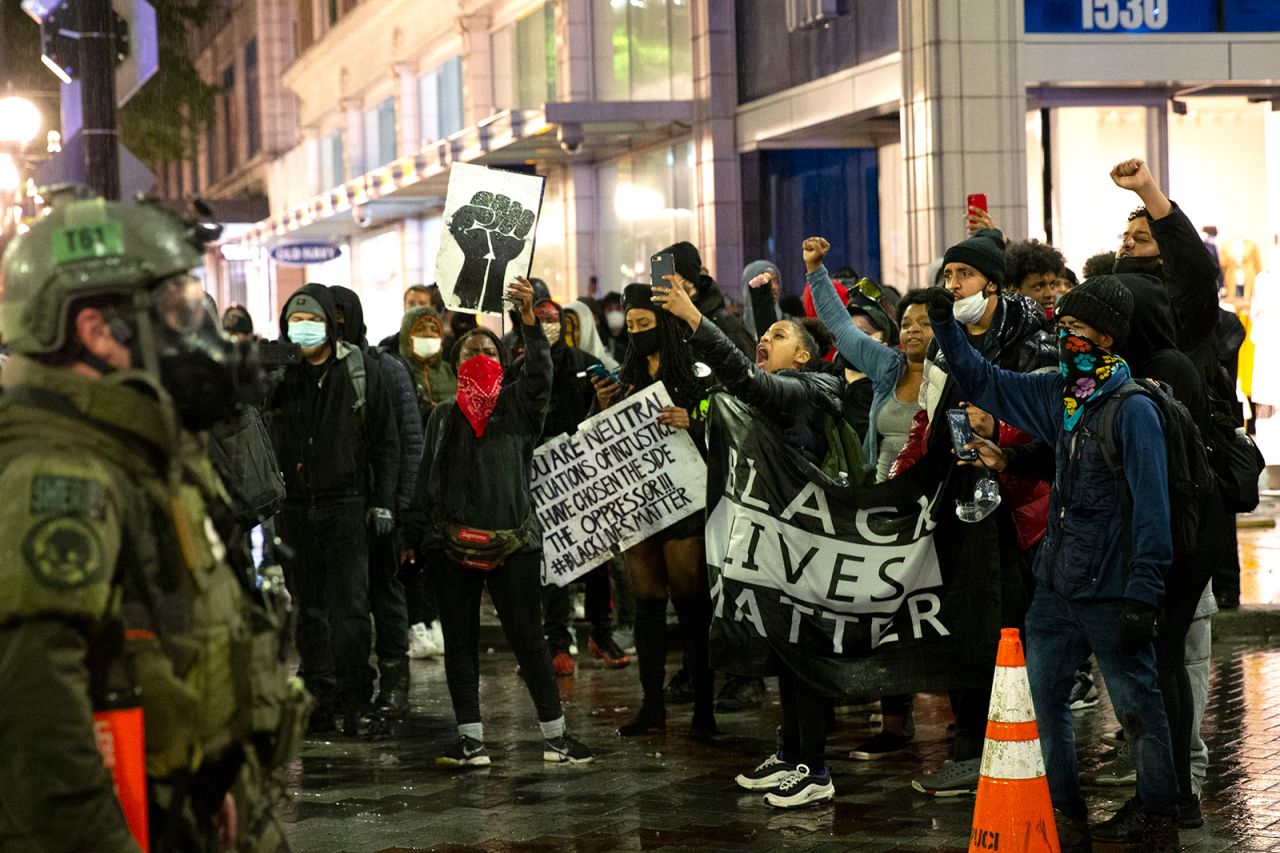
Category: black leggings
<point>804,720</point>
<point>514,588</point>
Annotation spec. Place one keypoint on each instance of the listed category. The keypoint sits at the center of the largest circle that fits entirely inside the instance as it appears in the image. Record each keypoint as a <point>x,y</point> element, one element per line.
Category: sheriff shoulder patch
<point>73,496</point>
<point>64,553</point>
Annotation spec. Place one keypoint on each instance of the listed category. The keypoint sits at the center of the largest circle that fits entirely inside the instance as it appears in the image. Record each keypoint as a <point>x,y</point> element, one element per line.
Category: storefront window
<point>440,101</point>
<point>380,135</point>
<point>381,282</point>
<point>548,249</point>
<point>524,62</point>
<point>642,50</point>
<point>646,203</point>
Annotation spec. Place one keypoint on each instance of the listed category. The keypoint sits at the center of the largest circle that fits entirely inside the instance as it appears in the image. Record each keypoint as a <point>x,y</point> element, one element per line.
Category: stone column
<point>477,68</point>
<point>573,50</point>
<point>963,120</point>
<point>407,118</point>
<point>718,176</point>
<point>354,143</point>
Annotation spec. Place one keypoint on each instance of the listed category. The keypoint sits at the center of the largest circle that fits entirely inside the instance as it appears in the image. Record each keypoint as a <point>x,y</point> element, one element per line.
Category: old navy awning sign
<point>305,254</point>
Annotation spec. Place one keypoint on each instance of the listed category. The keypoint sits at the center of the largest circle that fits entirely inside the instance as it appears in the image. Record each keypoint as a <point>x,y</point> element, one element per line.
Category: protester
<point>572,397</point>
<point>1094,590</point>
<point>1098,264</point>
<point>1160,240</point>
<point>472,516</point>
<point>784,387</point>
<point>1066,282</point>
<point>671,562</point>
<point>706,294</point>
<point>582,331</point>
<point>613,331</point>
<point>756,322</point>
<point>386,592</point>
<point>334,431</point>
<point>237,323</point>
<point>1150,352</point>
<point>420,347</point>
<point>1008,329</point>
<point>1034,269</point>
<point>895,376</point>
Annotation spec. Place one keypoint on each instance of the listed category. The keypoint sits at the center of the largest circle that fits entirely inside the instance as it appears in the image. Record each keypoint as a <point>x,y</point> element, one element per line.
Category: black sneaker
<point>1127,826</point>
<point>766,775</point>
<point>802,788</point>
<point>567,749</point>
<point>1073,835</point>
<point>1115,738</point>
<point>467,752</point>
<point>740,693</point>
<point>1084,693</point>
<point>881,745</point>
<point>679,689</point>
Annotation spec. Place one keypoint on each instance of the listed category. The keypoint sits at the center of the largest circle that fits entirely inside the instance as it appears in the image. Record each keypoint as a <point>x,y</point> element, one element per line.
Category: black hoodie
<point>399,386</point>
<point>328,448</point>
<point>1150,347</point>
<point>710,303</point>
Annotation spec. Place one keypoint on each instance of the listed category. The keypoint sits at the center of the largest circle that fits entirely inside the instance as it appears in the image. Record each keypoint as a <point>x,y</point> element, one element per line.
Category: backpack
<point>1191,479</point>
<point>241,453</point>
<point>1235,458</point>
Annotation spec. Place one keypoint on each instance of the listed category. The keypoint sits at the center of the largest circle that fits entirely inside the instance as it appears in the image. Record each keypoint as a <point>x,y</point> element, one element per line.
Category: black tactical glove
<point>381,521</point>
<point>939,302</point>
<point>1137,626</point>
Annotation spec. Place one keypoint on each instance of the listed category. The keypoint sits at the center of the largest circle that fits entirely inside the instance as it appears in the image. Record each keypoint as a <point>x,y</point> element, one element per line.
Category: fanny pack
<point>485,550</point>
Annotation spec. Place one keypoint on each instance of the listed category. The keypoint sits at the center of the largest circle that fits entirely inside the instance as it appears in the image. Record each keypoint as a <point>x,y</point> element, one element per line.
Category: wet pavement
<point>666,792</point>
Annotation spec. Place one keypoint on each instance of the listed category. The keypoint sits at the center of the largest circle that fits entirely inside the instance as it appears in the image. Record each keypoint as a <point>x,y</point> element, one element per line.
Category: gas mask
<point>177,339</point>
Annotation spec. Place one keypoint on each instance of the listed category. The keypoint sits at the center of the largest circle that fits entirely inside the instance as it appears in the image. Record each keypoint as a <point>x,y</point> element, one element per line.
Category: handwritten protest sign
<point>491,217</point>
<point>618,480</point>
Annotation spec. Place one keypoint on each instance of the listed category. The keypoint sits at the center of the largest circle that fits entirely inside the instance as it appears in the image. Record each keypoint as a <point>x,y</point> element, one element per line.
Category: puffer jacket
<point>399,387</point>
<point>797,401</point>
<point>1084,555</point>
<point>434,380</point>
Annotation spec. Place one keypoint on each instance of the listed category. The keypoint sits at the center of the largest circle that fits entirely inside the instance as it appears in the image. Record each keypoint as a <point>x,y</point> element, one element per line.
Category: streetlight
<point>19,120</point>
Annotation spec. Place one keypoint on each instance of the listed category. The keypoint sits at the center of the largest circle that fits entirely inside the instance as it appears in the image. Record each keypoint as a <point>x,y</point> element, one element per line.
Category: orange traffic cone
<point>1013,812</point>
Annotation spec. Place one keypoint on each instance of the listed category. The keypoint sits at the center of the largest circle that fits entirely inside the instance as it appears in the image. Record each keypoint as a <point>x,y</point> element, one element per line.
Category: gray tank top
<point>893,424</point>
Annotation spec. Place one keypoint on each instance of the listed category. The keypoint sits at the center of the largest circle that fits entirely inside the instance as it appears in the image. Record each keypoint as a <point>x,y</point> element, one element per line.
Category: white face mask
<point>971,308</point>
<point>552,331</point>
<point>425,348</point>
<point>615,320</point>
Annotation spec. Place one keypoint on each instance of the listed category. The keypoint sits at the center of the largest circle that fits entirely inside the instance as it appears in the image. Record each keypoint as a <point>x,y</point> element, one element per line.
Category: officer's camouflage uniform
<point>111,570</point>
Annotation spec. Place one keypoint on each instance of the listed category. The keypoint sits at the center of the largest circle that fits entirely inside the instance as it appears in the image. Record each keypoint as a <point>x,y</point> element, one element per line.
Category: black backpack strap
<point>1113,455</point>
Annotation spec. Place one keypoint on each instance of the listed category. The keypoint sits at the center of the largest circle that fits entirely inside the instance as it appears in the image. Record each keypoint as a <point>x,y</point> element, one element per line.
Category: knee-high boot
<point>694,613</point>
<point>651,649</point>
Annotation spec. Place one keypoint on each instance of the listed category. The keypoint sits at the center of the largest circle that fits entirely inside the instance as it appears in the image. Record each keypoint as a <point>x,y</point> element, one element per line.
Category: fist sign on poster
<point>490,236</point>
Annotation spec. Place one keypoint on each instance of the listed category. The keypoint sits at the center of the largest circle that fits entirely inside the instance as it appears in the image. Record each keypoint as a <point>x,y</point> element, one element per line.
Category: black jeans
<point>514,589</point>
<point>419,581</point>
<point>387,601</point>
<point>328,577</point>
<point>804,721</point>
<point>557,610</point>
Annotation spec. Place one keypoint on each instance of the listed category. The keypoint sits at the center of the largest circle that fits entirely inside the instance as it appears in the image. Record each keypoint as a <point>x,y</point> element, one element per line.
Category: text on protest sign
<point>615,482</point>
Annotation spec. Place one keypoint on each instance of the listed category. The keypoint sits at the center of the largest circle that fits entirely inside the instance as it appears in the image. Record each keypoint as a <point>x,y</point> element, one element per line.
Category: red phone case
<point>978,200</point>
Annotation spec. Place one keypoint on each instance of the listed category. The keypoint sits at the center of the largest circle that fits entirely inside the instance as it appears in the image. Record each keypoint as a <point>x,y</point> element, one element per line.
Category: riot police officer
<point>114,586</point>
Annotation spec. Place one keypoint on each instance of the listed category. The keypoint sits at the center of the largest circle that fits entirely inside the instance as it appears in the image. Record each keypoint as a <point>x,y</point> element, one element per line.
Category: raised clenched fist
<point>491,231</point>
<point>815,249</point>
<point>1132,175</point>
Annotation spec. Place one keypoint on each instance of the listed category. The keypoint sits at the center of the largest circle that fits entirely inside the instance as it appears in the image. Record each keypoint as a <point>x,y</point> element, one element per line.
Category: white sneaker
<point>801,788</point>
<point>421,644</point>
<point>437,636</point>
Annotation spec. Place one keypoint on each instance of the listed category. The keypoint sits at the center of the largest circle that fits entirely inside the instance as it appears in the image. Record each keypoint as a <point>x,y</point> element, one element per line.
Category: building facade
<point>741,125</point>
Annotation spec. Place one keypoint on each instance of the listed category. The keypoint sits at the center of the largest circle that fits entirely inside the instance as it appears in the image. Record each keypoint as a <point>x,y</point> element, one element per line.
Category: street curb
<point>1249,622</point>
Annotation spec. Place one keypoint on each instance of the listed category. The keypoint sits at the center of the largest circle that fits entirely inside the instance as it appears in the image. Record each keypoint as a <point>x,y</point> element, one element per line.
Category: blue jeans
<point>1060,634</point>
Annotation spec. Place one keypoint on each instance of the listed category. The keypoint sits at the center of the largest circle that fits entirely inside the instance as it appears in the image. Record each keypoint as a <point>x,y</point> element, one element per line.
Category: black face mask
<point>1145,266</point>
<point>646,342</point>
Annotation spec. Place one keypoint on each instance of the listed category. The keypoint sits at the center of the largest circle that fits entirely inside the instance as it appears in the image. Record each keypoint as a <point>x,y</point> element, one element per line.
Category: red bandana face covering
<point>479,384</point>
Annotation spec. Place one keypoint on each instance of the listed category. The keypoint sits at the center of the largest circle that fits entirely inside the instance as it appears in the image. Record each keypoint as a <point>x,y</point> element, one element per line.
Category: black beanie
<point>638,296</point>
<point>1102,302</point>
<point>984,251</point>
<point>688,261</point>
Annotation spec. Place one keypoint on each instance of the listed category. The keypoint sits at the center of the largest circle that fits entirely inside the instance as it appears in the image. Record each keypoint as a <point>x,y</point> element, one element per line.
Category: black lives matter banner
<point>615,482</point>
<point>861,591</point>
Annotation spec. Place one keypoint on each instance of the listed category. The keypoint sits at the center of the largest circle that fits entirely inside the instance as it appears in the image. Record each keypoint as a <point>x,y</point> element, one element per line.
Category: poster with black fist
<point>490,218</point>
